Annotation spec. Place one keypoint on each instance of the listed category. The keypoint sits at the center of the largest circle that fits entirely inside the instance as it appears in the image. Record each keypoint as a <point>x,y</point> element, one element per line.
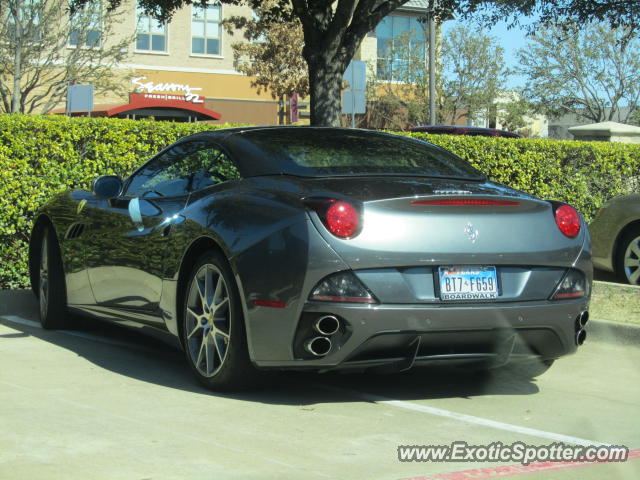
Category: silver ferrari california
<point>318,248</point>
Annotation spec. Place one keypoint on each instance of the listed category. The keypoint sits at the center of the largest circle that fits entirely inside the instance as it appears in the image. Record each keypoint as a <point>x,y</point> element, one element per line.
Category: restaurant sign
<point>167,91</point>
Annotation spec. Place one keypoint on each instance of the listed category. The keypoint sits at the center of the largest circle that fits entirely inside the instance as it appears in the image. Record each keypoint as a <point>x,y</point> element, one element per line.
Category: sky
<point>510,39</point>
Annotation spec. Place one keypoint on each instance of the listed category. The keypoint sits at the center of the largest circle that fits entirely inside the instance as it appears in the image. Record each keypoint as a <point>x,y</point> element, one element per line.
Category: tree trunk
<point>325,86</point>
<point>17,68</point>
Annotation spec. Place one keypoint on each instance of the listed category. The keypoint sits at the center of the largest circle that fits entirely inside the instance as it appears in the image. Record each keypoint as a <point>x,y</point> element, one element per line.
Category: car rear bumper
<point>391,334</point>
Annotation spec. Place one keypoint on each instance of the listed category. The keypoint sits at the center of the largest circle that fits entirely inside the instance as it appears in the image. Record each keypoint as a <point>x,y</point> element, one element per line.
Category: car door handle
<point>168,223</point>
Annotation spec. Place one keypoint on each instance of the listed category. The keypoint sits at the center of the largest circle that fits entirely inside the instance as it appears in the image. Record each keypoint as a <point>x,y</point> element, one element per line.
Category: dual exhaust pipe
<point>581,322</point>
<point>319,346</point>
<point>327,325</point>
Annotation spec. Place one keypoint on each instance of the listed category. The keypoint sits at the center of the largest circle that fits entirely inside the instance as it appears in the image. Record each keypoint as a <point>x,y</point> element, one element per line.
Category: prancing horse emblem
<point>471,233</point>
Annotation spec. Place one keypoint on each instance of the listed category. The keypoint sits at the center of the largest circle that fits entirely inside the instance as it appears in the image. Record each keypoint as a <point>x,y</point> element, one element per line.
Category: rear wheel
<point>628,257</point>
<point>214,335</point>
<point>51,291</point>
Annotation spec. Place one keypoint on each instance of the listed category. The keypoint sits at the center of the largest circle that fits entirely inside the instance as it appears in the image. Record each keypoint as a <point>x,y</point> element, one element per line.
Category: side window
<point>210,166</point>
<point>183,169</point>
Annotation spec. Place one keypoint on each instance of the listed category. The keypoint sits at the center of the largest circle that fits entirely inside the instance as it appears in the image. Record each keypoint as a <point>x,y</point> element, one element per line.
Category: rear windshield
<point>320,152</point>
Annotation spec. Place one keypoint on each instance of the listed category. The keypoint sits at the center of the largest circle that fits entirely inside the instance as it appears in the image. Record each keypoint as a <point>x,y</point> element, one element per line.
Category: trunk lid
<point>408,222</point>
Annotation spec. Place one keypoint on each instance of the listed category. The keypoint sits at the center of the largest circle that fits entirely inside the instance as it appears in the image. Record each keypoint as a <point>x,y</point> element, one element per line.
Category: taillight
<point>567,219</point>
<point>341,218</point>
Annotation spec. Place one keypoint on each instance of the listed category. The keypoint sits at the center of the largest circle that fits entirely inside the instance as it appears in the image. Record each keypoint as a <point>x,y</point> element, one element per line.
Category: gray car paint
<point>279,250</point>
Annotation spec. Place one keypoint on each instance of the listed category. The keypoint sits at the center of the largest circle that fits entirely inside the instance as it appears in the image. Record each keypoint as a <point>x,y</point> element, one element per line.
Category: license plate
<point>468,283</point>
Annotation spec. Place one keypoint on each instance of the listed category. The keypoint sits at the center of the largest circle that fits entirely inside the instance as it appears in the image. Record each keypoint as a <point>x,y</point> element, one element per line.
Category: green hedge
<point>584,174</point>
<point>44,155</point>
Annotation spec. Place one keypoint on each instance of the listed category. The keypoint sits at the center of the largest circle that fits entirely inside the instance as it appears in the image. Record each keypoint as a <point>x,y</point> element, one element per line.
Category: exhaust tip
<point>327,325</point>
<point>584,318</point>
<point>581,336</point>
<point>318,346</point>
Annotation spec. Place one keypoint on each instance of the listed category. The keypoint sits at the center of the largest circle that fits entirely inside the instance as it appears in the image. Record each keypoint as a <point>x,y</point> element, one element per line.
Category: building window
<point>401,39</point>
<point>151,35</point>
<point>205,30</point>
<point>85,26</point>
<point>23,22</point>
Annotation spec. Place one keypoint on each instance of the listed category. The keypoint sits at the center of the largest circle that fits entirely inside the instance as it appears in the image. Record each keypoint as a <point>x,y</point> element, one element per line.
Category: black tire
<point>213,330</point>
<point>629,239</point>
<point>51,289</point>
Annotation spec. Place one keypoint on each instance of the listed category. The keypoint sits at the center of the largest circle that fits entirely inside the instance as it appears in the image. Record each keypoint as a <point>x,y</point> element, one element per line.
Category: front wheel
<point>214,335</point>
<point>51,291</point>
<point>628,257</point>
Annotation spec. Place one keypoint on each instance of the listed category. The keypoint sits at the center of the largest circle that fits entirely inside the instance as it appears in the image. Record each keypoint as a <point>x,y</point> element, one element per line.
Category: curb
<point>614,284</point>
<point>613,332</point>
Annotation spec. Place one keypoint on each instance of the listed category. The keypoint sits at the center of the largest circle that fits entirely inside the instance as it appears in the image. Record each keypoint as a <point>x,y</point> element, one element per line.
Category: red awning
<point>137,102</point>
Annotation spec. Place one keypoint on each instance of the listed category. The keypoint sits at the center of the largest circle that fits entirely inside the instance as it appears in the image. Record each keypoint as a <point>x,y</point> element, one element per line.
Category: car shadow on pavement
<point>137,356</point>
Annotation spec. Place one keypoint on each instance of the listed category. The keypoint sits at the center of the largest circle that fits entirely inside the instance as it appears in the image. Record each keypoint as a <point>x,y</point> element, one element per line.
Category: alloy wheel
<point>632,261</point>
<point>43,287</point>
<point>207,320</point>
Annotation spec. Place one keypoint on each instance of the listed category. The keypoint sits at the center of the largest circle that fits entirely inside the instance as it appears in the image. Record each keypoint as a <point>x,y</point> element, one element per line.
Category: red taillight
<point>568,220</point>
<point>342,219</point>
<point>467,202</point>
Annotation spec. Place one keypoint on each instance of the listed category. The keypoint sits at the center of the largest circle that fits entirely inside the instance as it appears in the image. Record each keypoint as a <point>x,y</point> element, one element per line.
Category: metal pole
<point>353,109</point>
<point>432,69</point>
<point>281,112</point>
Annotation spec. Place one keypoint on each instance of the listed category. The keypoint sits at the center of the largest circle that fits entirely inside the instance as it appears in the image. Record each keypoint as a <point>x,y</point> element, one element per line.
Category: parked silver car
<point>615,234</point>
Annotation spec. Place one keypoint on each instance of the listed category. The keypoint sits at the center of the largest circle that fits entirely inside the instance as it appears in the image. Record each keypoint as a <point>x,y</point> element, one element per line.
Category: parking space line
<point>462,417</point>
<point>470,419</point>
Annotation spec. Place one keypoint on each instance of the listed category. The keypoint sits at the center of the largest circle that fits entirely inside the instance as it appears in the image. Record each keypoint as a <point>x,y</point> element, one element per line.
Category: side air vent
<point>74,231</point>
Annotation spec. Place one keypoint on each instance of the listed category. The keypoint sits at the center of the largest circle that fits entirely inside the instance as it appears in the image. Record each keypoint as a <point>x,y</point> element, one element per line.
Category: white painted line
<point>75,333</point>
<point>464,417</point>
<point>376,398</point>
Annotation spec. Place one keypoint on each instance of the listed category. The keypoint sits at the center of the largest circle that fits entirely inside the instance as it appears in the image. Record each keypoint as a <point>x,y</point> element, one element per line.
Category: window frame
<point>390,77</point>
<point>204,19</point>
<point>29,14</point>
<point>99,28</point>
<point>150,34</point>
<point>205,144</point>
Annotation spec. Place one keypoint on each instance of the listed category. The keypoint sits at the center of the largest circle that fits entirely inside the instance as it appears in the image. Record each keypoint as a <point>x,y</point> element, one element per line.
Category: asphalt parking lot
<point>107,403</point>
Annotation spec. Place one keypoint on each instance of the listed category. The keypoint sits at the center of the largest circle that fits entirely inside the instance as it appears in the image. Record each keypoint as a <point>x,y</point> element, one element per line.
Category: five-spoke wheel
<point>207,320</point>
<point>43,280</point>
<point>628,257</point>
<point>213,330</point>
<point>631,258</point>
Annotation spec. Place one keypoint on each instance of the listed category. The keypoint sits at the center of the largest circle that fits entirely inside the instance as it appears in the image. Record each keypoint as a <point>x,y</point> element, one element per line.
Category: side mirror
<point>108,186</point>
